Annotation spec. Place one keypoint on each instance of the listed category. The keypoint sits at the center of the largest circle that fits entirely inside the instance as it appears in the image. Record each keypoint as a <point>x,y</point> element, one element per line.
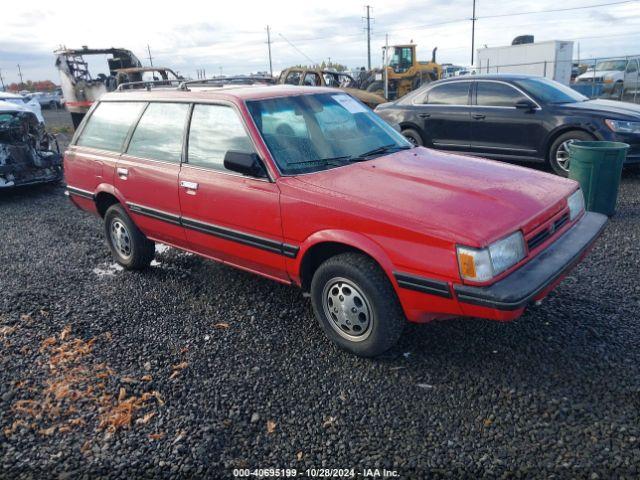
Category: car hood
<point>611,107</point>
<point>452,197</point>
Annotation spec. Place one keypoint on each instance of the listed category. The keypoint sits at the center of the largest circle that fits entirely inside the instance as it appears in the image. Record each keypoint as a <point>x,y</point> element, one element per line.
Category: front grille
<point>540,237</point>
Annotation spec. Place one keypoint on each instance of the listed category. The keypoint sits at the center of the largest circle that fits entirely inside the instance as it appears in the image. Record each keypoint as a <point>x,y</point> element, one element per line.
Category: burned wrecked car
<point>26,155</point>
<point>80,87</point>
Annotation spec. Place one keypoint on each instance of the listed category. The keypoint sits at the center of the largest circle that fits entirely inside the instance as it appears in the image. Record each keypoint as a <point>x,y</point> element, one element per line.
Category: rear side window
<point>109,124</point>
<point>214,130</point>
<point>492,94</point>
<point>455,93</point>
<point>293,78</point>
<point>158,135</point>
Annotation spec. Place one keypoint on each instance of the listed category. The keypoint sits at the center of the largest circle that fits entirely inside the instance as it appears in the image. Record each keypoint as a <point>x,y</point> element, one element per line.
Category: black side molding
<point>424,285</point>
<point>78,192</point>
<point>518,289</point>
<point>273,246</point>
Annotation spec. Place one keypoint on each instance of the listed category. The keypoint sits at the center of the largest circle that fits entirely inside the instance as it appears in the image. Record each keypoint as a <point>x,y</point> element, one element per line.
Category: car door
<point>499,128</point>
<point>228,216</point>
<point>443,115</point>
<point>147,173</point>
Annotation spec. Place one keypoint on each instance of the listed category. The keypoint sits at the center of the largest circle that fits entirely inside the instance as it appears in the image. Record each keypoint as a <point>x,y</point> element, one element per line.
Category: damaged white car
<point>26,154</point>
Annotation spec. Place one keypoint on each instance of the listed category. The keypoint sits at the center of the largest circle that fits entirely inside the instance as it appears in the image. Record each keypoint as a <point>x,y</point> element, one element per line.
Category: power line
<point>297,49</point>
<point>584,7</point>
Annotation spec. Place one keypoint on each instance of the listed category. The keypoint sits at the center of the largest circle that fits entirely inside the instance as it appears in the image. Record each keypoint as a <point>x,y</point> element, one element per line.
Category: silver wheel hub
<point>562,155</point>
<point>120,239</point>
<point>347,308</point>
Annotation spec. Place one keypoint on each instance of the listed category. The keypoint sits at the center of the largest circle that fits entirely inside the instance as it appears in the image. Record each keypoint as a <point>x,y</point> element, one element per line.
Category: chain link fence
<point>614,78</point>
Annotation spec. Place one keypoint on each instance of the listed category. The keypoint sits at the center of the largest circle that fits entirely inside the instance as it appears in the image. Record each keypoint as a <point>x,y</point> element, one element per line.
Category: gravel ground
<point>191,369</point>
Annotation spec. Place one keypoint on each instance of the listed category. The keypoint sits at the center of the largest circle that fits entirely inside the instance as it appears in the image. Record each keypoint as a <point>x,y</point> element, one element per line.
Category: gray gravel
<point>238,374</point>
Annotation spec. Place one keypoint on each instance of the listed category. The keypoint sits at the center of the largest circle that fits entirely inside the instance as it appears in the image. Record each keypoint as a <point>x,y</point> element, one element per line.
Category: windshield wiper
<point>380,150</point>
<point>335,161</point>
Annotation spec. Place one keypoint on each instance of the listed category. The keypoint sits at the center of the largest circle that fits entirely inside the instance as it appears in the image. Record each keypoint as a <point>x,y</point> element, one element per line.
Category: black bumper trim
<point>80,193</point>
<point>424,285</point>
<point>517,289</point>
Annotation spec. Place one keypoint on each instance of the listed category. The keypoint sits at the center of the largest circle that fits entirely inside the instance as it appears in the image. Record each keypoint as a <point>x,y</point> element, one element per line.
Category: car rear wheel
<point>129,246</point>
<point>356,305</point>
<point>413,136</point>
<point>558,155</point>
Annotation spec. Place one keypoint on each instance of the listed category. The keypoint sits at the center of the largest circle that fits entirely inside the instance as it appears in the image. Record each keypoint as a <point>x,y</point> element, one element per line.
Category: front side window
<point>549,91</point>
<point>454,93</point>
<point>492,94</point>
<point>158,135</point>
<point>309,133</point>
<point>311,79</point>
<point>109,125</point>
<point>214,130</point>
<point>293,78</point>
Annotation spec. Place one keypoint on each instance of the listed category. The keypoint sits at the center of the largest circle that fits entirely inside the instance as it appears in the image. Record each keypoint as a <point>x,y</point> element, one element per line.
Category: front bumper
<point>535,278</point>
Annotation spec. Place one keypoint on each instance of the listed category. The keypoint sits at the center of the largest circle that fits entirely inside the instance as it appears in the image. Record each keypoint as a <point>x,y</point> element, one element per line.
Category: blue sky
<point>230,36</point>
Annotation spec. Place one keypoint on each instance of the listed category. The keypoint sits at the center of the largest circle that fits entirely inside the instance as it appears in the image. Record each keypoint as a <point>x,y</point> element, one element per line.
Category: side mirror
<point>245,163</point>
<point>526,105</point>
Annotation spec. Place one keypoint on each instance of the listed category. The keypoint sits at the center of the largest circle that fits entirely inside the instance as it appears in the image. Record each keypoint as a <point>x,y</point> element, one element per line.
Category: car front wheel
<point>413,136</point>
<point>559,150</point>
<point>129,246</point>
<point>356,305</point>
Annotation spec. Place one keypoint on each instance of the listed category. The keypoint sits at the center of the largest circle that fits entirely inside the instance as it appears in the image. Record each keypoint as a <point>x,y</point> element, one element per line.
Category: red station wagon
<point>307,186</point>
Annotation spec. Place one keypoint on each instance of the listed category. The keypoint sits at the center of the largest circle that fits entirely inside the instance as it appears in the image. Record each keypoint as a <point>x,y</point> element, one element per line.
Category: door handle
<point>478,116</point>
<point>189,185</point>
<point>424,115</point>
<point>123,173</point>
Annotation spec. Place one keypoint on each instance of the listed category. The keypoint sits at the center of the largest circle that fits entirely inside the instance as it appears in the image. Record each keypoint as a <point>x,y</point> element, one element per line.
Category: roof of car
<point>227,92</point>
<point>493,76</point>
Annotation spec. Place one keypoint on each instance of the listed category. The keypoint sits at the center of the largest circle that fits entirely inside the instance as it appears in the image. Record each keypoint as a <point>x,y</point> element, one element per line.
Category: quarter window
<point>311,79</point>
<point>109,125</point>
<point>215,129</point>
<point>455,93</point>
<point>158,135</point>
<point>492,94</point>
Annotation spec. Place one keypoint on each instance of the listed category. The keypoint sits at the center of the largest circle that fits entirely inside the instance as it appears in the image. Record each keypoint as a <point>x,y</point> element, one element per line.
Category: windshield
<point>619,65</point>
<point>308,133</point>
<point>549,91</point>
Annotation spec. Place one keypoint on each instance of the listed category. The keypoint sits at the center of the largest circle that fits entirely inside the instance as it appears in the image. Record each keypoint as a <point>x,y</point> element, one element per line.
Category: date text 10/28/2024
<point>315,473</point>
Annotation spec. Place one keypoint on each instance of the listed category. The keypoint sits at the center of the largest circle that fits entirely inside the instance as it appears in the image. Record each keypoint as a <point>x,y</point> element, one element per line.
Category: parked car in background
<point>30,103</point>
<point>47,99</point>
<point>631,83</point>
<point>328,78</point>
<point>307,186</point>
<point>609,73</point>
<point>512,118</point>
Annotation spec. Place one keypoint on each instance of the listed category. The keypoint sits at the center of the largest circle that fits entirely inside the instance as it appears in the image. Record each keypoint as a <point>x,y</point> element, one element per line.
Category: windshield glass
<point>308,133</point>
<point>611,65</point>
<point>548,91</point>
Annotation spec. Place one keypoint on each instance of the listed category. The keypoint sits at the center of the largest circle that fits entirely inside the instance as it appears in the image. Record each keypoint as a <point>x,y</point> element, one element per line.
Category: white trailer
<point>552,59</point>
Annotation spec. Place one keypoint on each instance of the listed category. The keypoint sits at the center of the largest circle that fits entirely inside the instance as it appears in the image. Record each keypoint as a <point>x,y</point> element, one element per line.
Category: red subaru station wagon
<point>307,186</point>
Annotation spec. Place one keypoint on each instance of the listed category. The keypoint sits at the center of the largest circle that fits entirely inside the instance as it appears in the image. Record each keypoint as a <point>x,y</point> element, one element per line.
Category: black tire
<point>559,144</point>
<point>353,272</point>
<point>140,249</point>
<point>413,136</point>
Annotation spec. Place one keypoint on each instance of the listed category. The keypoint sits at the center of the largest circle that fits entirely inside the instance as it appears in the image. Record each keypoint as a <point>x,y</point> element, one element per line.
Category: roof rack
<point>223,81</point>
<point>149,84</point>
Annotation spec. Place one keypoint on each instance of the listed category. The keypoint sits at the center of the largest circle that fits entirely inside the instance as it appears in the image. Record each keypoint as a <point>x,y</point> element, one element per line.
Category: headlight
<point>576,204</point>
<point>483,264</point>
<point>623,126</point>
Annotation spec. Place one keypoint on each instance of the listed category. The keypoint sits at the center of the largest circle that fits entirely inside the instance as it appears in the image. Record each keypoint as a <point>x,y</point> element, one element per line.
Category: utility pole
<point>385,62</point>
<point>150,57</point>
<point>473,31</point>
<point>2,81</point>
<point>269,44</point>
<point>20,74</point>
<point>368,28</point>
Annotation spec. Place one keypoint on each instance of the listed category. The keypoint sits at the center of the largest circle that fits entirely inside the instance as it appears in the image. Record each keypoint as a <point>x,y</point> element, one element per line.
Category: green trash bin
<point>597,166</point>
